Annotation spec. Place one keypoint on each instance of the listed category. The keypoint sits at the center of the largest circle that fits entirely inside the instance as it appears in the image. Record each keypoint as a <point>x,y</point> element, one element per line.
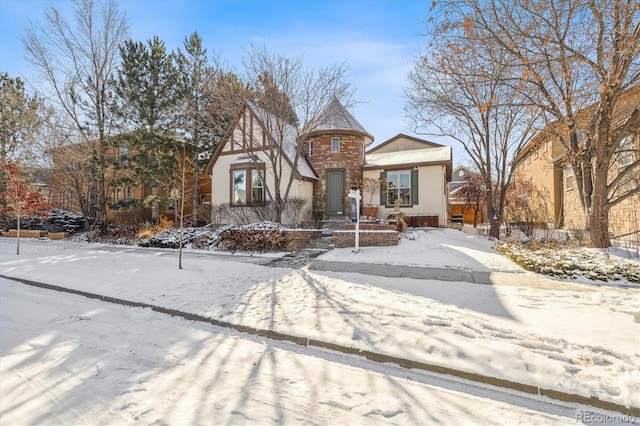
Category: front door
<point>335,193</point>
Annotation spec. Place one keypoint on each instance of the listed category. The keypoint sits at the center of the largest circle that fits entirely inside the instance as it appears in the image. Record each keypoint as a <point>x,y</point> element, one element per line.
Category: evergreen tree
<point>148,92</point>
<point>20,118</point>
<point>199,132</point>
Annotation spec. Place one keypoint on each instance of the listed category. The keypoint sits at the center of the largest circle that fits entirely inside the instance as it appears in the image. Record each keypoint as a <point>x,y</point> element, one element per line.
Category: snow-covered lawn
<point>573,337</point>
<point>434,248</point>
<point>69,360</point>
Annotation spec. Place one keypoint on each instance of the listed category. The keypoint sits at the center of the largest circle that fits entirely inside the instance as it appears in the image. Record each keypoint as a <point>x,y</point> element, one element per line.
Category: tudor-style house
<point>543,163</point>
<point>332,160</point>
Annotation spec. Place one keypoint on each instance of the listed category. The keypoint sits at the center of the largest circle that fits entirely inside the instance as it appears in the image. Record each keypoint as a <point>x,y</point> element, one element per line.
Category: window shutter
<point>383,189</point>
<point>414,186</point>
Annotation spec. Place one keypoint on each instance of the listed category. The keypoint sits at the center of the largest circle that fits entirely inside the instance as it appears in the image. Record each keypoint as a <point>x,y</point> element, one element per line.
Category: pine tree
<point>148,92</point>
<point>20,118</point>
<point>197,129</point>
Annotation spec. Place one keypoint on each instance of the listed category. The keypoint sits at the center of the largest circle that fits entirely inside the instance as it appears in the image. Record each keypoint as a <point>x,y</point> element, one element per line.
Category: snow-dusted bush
<point>260,237</point>
<point>59,220</point>
<point>26,222</point>
<point>114,234</point>
<point>56,220</point>
<point>571,262</point>
<point>201,238</point>
<point>254,237</point>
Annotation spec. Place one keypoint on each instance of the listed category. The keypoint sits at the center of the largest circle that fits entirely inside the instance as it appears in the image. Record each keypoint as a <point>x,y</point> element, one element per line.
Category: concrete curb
<point>373,356</point>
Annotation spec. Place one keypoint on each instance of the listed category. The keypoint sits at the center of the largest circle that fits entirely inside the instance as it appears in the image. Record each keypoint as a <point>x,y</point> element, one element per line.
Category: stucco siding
<point>431,194</point>
<point>538,168</point>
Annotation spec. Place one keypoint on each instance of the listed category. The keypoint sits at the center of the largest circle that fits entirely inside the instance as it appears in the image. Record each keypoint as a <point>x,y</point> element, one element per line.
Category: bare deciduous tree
<point>576,59</point>
<point>76,57</point>
<point>461,89</point>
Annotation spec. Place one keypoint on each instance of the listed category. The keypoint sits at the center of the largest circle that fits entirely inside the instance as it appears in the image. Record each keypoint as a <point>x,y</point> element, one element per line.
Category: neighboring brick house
<point>72,184</point>
<point>543,162</point>
<point>332,161</point>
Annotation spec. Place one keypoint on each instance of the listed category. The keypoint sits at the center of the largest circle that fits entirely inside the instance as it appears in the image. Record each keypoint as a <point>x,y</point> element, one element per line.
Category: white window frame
<point>568,174</point>
<point>401,189</point>
<point>625,154</point>
<point>335,145</point>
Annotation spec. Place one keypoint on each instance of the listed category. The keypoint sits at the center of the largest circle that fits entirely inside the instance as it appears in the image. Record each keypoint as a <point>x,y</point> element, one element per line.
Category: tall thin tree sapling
<point>19,200</point>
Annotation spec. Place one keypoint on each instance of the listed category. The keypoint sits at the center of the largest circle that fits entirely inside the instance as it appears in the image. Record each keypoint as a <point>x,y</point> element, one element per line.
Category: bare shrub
<point>264,213</point>
<point>293,210</point>
<point>219,213</point>
<point>240,215</point>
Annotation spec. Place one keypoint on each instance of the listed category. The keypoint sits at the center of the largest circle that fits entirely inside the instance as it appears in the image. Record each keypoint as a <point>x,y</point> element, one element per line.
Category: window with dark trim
<point>312,148</point>
<point>399,184</point>
<point>247,186</point>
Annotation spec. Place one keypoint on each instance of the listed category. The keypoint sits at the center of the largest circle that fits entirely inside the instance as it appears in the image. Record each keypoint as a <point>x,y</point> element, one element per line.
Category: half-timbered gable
<point>242,167</point>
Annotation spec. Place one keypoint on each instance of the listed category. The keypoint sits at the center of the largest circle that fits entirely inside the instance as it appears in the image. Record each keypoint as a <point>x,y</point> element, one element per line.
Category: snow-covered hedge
<point>192,238</point>
<point>56,220</point>
<point>594,264</point>
<point>59,220</point>
<point>254,237</point>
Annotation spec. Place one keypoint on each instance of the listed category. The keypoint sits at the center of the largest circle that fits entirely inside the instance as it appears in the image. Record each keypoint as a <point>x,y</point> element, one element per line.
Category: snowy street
<point>120,364</point>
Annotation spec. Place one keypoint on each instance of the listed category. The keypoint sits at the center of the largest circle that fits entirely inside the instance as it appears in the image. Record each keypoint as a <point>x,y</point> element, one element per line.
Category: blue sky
<point>377,39</point>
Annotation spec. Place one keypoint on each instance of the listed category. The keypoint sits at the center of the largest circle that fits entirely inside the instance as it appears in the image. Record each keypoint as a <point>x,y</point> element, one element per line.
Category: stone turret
<point>336,149</point>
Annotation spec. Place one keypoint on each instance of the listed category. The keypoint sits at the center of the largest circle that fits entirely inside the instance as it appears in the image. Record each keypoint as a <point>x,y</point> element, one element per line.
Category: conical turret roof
<point>335,118</point>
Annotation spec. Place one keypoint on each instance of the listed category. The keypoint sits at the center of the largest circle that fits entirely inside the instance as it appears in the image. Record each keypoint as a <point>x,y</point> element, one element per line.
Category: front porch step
<point>330,225</point>
<point>323,244</point>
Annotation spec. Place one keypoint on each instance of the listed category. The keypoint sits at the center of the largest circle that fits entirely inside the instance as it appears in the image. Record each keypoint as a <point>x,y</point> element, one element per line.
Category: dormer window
<point>335,145</point>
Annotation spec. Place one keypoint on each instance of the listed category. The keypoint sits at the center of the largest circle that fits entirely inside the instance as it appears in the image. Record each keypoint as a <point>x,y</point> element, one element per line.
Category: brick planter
<point>382,238</point>
<point>25,233</point>
<point>421,221</point>
<point>371,227</point>
<point>59,235</point>
<point>298,239</point>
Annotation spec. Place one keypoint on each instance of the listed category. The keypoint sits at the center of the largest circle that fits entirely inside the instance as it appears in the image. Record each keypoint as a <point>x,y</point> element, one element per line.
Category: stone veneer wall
<point>350,159</point>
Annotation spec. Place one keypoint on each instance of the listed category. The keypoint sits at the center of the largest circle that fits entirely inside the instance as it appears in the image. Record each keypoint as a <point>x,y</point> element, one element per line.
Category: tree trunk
<point>196,190</point>
<point>598,213</point>
<point>18,234</point>
<point>494,220</point>
<point>155,206</point>
<point>181,238</point>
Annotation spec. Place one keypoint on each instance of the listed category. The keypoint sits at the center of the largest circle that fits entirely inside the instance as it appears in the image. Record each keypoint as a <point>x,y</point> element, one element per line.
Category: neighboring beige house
<point>332,161</point>
<point>416,172</point>
<point>543,162</point>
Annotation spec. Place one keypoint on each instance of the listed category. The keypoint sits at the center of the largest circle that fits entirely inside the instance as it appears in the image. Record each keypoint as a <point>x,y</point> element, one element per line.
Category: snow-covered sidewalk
<point>575,338</point>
